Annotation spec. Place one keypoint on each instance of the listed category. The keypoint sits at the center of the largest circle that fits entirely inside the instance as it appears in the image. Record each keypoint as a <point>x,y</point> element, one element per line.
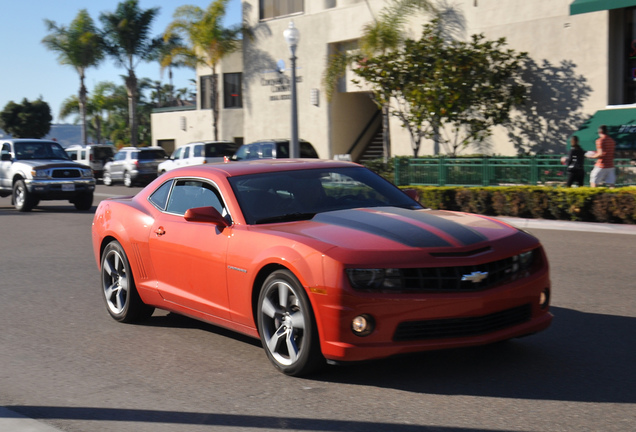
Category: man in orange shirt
<point>603,171</point>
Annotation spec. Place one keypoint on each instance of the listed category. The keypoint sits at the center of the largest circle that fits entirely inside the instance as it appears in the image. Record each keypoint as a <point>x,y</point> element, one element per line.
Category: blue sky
<point>29,70</point>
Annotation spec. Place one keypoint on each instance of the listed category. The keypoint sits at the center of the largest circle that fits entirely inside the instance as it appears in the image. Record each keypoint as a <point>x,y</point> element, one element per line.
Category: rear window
<point>151,154</point>
<point>218,150</point>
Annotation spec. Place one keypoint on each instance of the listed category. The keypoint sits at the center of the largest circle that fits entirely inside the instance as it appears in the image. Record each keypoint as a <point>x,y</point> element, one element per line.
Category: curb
<point>594,227</point>
<point>15,422</point>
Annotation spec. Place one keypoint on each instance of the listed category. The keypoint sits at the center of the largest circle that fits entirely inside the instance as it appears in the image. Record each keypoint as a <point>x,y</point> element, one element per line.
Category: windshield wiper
<point>288,217</point>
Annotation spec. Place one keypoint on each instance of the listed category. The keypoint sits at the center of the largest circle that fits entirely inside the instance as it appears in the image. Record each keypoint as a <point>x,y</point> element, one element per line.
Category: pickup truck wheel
<point>84,201</point>
<point>22,199</point>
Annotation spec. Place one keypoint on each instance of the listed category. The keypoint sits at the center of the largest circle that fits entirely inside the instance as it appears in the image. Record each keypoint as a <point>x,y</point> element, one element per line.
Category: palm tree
<point>79,46</point>
<point>383,34</point>
<point>126,32</point>
<point>208,42</point>
<point>171,55</point>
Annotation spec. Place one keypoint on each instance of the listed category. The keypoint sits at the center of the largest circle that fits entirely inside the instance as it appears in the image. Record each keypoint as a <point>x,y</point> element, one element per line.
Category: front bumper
<point>451,320</point>
<point>60,189</point>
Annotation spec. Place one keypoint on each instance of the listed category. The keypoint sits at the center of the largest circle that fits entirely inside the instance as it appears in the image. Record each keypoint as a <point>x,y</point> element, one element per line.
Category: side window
<point>188,194</point>
<point>253,151</point>
<point>160,197</point>
<point>186,153</point>
<point>198,151</point>
<point>267,151</point>
<point>120,156</point>
<point>71,153</point>
<point>177,153</point>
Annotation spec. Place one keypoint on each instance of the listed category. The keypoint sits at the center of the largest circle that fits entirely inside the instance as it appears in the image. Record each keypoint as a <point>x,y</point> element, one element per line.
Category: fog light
<point>362,325</point>
<point>544,298</point>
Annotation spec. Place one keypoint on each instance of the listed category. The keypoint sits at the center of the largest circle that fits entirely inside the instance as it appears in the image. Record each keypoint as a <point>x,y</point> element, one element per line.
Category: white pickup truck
<point>32,170</point>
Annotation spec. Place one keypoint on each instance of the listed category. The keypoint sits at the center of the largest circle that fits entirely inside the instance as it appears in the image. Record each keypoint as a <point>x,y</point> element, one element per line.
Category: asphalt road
<point>67,364</point>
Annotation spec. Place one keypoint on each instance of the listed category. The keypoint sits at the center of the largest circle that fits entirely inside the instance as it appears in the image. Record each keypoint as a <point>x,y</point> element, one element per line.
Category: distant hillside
<point>65,134</point>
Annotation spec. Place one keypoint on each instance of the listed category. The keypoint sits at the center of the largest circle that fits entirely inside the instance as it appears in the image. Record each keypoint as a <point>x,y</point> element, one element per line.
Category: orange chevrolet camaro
<point>321,260</point>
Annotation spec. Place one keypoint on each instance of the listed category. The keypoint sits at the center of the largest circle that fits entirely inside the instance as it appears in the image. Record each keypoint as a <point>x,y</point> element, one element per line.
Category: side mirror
<point>206,215</point>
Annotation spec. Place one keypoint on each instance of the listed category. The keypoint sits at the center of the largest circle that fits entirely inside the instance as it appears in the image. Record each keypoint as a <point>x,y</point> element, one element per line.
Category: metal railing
<point>497,171</point>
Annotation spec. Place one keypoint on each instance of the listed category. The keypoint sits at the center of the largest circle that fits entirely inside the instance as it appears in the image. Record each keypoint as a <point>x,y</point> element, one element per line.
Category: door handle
<point>160,231</point>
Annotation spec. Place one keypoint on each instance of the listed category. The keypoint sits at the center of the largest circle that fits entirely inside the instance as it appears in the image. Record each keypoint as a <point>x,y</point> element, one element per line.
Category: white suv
<point>93,155</point>
<point>198,153</point>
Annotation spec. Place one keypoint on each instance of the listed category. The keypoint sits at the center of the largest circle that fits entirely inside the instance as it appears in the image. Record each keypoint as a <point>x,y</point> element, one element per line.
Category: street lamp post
<point>292,36</point>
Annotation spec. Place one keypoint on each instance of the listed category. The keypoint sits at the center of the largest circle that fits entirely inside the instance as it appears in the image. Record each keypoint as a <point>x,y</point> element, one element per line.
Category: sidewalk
<point>11,421</point>
<point>559,225</point>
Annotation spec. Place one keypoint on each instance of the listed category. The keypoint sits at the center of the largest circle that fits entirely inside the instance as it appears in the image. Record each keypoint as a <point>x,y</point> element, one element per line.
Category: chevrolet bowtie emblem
<point>475,277</point>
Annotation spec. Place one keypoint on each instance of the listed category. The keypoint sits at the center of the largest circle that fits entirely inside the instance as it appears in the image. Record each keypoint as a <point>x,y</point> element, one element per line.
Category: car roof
<point>256,166</point>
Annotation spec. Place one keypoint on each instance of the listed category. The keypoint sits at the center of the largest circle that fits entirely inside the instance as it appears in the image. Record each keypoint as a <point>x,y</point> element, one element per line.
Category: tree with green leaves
<point>207,42</point>
<point>79,46</point>
<point>379,37</point>
<point>26,120</point>
<point>439,87</point>
<point>127,38</point>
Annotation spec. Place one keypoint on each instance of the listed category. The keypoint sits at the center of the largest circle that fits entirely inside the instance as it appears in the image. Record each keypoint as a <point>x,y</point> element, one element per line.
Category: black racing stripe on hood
<point>462,233</point>
<point>380,225</point>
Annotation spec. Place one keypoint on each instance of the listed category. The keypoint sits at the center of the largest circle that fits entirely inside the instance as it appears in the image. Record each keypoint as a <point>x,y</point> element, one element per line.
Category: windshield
<point>298,195</point>
<point>41,150</point>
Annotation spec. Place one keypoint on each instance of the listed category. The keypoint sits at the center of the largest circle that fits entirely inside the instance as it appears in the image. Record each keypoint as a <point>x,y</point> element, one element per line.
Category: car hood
<point>48,163</point>
<point>391,229</point>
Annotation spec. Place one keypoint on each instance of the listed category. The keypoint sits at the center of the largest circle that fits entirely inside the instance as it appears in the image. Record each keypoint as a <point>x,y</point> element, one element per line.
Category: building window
<point>205,83</point>
<point>232,94</point>
<point>277,8</point>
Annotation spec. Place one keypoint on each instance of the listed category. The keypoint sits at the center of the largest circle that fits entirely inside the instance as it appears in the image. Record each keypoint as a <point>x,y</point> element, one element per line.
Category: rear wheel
<point>107,179</point>
<point>118,287</point>
<point>287,326</point>
<point>128,182</point>
<point>22,198</point>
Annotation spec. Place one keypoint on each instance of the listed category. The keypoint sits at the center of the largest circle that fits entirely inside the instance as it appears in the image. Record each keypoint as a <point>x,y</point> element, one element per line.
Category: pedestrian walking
<point>603,171</point>
<point>575,163</point>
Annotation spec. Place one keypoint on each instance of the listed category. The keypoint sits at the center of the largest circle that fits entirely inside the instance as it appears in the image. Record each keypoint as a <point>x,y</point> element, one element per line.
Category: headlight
<point>40,173</point>
<point>87,172</point>
<point>375,279</point>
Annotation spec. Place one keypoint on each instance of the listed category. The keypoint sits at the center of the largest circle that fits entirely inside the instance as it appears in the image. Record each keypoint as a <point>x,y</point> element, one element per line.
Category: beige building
<point>582,60</point>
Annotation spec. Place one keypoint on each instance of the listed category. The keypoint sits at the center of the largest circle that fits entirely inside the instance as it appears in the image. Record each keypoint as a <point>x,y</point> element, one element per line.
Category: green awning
<point>621,125</point>
<point>585,6</point>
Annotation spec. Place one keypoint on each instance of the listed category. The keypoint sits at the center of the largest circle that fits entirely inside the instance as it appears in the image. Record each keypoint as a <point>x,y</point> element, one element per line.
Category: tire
<point>287,326</point>
<point>128,181</point>
<point>84,201</point>
<point>118,287</point>
<point>22,198</point>
<point>107,179</point>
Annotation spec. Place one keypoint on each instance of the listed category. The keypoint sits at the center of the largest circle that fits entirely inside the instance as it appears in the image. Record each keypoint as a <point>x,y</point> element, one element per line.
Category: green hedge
<point>576,204</point>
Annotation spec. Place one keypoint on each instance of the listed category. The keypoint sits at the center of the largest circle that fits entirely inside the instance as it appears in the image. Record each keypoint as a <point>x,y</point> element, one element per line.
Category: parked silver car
<point>132,165</point>
<point>197,153</point>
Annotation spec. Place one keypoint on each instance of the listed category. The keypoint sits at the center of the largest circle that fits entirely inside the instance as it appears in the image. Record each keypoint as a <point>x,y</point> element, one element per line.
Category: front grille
<point>65,173</point>
<point>459,278</point>
<point>462,327</point>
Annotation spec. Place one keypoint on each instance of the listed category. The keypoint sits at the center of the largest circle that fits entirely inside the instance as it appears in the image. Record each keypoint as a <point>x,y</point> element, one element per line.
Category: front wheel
<point>22,198</point>
<point>118,287</point>
<point>84,201</point>
<point>287,326</point>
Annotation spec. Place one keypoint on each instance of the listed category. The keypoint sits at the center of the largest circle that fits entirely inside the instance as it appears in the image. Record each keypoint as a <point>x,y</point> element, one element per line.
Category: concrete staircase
<point>373,150</point>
